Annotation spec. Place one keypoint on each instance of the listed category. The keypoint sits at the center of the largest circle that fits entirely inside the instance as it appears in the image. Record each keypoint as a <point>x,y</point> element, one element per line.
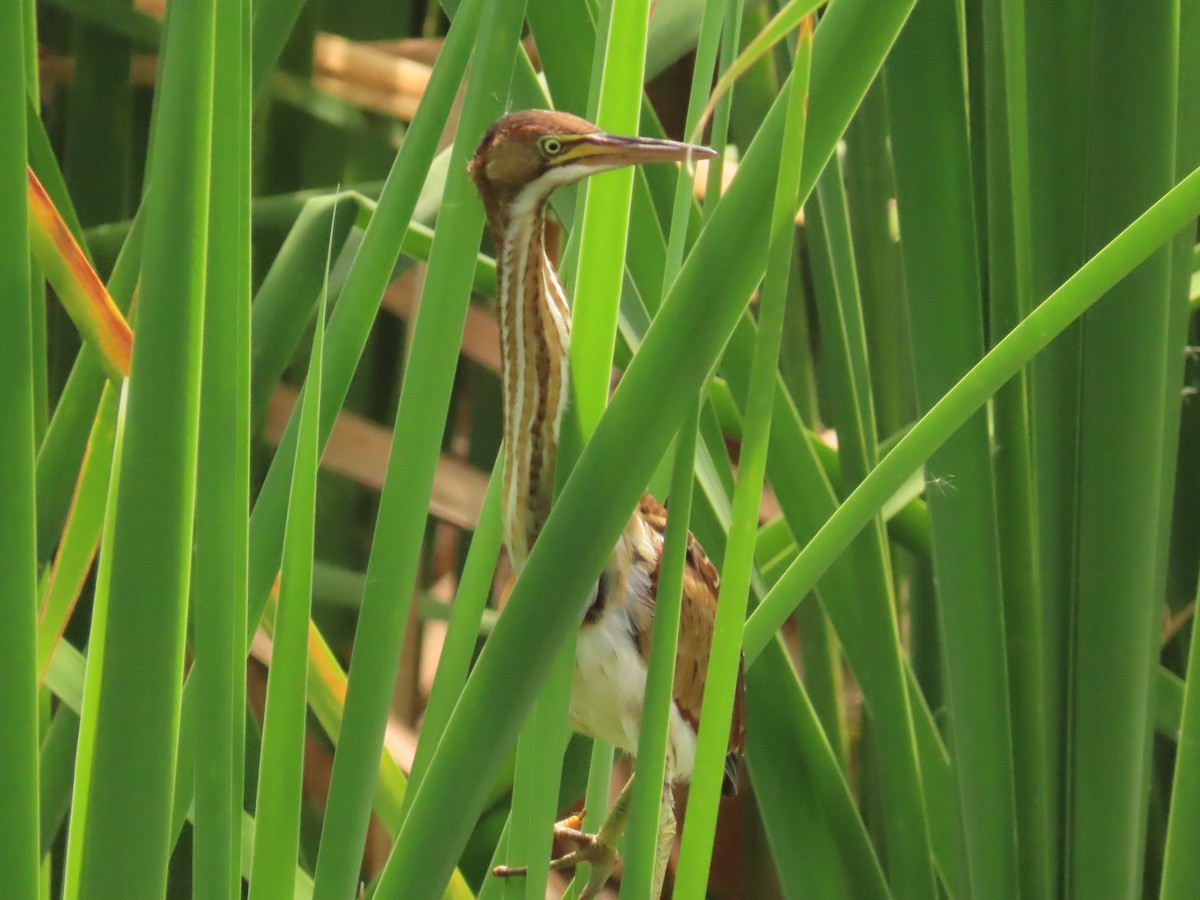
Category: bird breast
<point>609,687</point>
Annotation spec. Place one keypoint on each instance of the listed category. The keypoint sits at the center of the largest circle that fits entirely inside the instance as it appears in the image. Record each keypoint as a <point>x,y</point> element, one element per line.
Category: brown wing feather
<point>701,585</point>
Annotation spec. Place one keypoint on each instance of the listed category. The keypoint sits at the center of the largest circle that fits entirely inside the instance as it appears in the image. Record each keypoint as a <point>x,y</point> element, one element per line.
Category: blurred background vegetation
<point>990,699</point>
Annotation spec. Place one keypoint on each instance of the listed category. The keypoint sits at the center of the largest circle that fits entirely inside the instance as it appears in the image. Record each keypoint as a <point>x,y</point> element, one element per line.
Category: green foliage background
<point>967,382</point>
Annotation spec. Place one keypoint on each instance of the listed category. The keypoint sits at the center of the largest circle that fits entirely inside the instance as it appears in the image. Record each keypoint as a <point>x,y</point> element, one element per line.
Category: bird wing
<point>698,614</point>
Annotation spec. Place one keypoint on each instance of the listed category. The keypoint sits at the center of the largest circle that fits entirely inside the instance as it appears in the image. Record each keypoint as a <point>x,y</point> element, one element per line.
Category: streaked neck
<point>535,327</point>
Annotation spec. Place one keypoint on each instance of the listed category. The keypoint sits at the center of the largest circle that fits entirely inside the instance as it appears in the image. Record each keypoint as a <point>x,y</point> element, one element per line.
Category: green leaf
<point>18,549</point>
<point>725,660</point>
<point>125,844</point>
<point>676,356</point>
<point>223,475</point>
<point>281,762</point>
<point>937,220</point>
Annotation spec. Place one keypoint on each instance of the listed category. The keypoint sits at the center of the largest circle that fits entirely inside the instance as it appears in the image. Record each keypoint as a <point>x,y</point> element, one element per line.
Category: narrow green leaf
<point>18,549</point>
<point>724,664</point>
<point>1058,61</point>
<point>126,844</point>
<point>784,23</point>
<point>1181,864</point>
<point>66,677</point>
<point>286,301</point>
<point>1123,435</point>
<point>807,805</point>
<point>281,763</point>
<point>223,490</point>
<point>644,851</point>
<point>79,687</point>
<point>937,219</point>
<point>675,358</point>
<point>642,846</point>
<point>604,223</point>
<point>77,548</point>
<point>1128,249</point>
<point>400,526</point>
<point>57,769</point>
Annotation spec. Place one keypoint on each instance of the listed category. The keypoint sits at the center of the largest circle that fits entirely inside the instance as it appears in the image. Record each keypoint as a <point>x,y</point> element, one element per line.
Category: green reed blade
<point>126,843</point>
<point>1122,435</point>
<point>18,550</point>
<point>281,763</point>
<point>400,525</point>
<point>937,222</point>
<point>1058,48</point>
<point>642,840</point>
<point>604,223</point>
<point>223,489</point>
<point>77,547</point>
<point>676,356</point>
<point>1104,270</point>
<point>724,662</point>
<point>801,789</point>
<point>474,590</point>
<point>1010,286</point>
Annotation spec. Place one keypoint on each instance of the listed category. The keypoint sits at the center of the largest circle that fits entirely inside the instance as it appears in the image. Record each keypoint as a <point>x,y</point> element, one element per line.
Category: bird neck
<point>535,328</point>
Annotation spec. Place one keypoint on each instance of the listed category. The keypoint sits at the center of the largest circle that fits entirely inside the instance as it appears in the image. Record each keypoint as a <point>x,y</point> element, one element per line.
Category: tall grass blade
<point>642,845</point>
<point>18,542</point>
<point>1122,434</point>
<point>602,232</point>
<point>354,314</point>
<point>80,688</point>
<point>604,223</point>
<point>474,589</point>
<point>223,489</point>
<point>783,24</point>
<point>78,286</point>
<point>351,320</point>
<point>400,526</point>
<point>724,663</point>
<point>81,535</point>
<point>806,803</point>
<point>1010,297</point>
<point>652,787</point>
<point>61,454</point>
<point>1058,60</point>
<point>126,844</point>
<point>937,220</point>
<point>1181,865</point>
<point>674,359</point>
<point>286,301</point>
<point>281,762</point>
<point>1101,273</point>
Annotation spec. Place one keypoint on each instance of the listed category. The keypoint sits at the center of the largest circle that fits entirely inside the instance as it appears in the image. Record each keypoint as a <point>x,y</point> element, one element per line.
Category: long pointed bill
<point>611,151</point>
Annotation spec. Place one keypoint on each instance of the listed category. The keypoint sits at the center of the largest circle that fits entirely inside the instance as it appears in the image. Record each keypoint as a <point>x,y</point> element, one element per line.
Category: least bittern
<point>522,159</point>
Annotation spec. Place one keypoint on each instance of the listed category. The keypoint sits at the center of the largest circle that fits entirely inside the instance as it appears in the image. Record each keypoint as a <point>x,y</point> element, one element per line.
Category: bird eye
<point>551,146</point>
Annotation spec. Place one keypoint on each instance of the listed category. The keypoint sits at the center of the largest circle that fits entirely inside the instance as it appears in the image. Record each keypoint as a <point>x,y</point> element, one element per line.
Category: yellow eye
<point>550,146</point>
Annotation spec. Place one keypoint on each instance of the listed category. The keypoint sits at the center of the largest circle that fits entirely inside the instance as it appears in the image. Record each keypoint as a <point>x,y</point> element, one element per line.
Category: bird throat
<point>535,328</point>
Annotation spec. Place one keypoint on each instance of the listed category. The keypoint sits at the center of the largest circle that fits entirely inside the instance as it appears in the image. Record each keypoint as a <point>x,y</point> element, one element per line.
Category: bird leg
<point>666,837</point>
<point>599,849</point>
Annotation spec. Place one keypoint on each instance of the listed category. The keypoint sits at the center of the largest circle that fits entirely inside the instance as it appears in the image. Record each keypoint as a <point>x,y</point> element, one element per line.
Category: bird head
<point>526,155</point>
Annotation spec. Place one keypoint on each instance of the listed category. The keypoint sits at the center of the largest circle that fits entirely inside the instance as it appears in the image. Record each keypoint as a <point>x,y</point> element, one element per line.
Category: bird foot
<point>570,828</point>
<point>599,854</point>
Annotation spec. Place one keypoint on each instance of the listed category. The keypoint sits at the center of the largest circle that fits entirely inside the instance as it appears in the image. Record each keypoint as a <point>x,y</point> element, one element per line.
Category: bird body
<point>613,650</point>
<point>521,160</point>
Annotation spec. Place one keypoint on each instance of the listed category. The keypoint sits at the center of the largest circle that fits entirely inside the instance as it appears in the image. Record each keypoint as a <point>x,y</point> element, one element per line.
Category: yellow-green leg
<point>666,837</point>
<point>599,850</point>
